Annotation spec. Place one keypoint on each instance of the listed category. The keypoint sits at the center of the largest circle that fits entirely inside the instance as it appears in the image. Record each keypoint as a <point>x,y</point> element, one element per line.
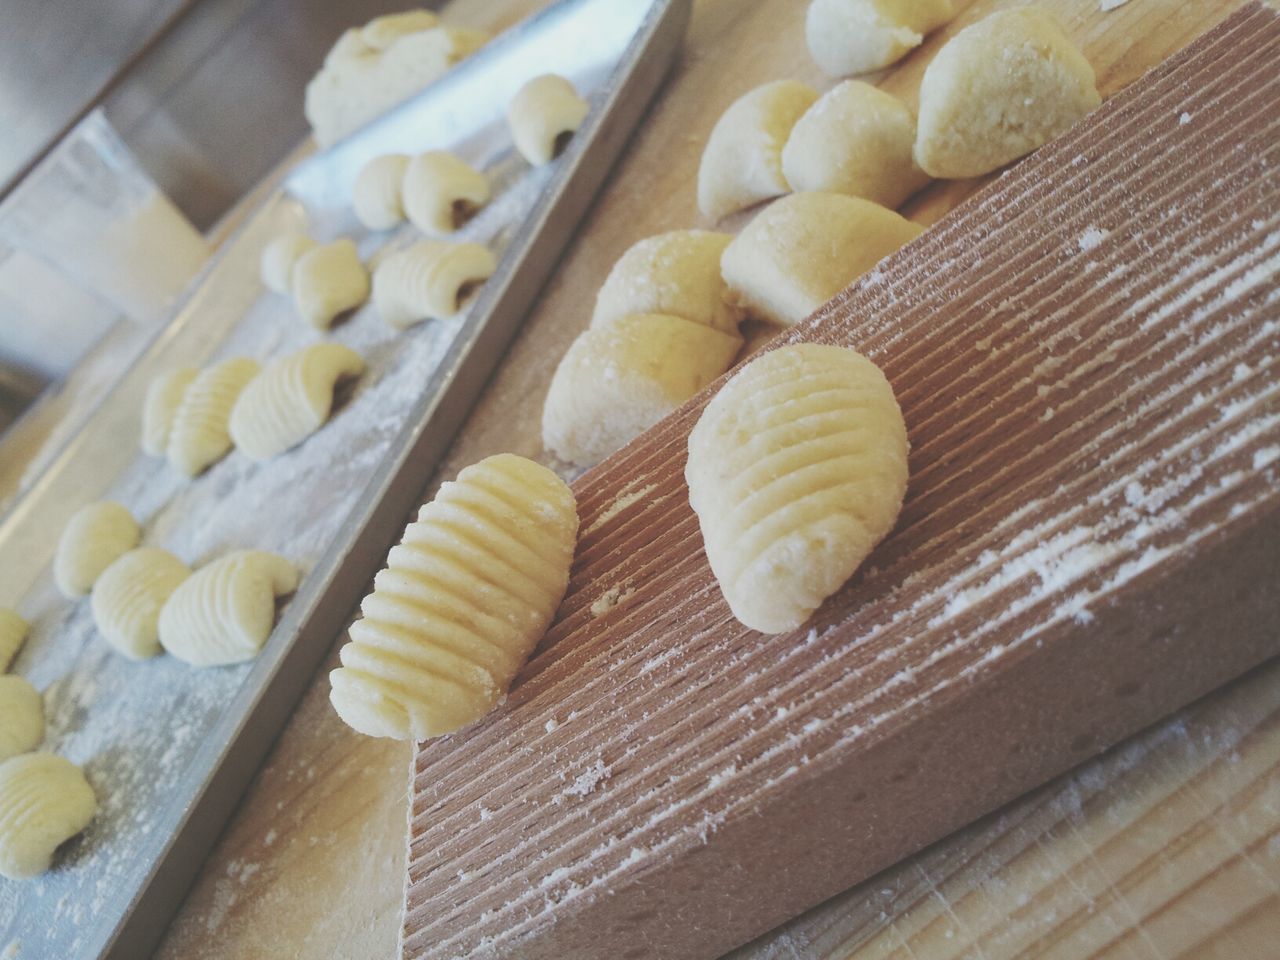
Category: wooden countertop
<point>1168,845</point>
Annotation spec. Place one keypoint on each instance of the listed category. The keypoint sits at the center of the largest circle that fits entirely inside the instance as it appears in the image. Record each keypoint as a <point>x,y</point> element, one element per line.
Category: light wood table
<point>1168,845</point>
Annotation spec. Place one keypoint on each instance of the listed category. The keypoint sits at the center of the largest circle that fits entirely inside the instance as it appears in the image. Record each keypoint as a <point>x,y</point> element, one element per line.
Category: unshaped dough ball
<point>199,435</point>
<point>290,399</point>
<point>94,537</point>
<point>44,801</point>
<point>742,162</point>
<point>797,469</point>
<point>802,250</point>
<point>542,115</point>
<point>223,613</point>
<point>855,140</point>
<point>619,379</point>
<point>376,195</point>
<point>129,595</point>
<point>676,273</point>
<point>279,258</point>
<point>464,599</point>
<point>164,396</point>
<point>431,279</point>
<point>857,36</point>
<point>328,281</point>
<point>441,191</point>
<point>998,90</point>
<point>21,717</point>
<point>13,632</point>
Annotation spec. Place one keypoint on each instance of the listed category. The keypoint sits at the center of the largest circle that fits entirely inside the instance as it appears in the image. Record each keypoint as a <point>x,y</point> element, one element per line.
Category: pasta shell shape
<point>164,396</point>
<point>742,161</point>
<point>858,36</point>
<point>223,613</point>
<point>279,258</point>
<point>429,280</point>
<point>328,281</point>
<point>13,633</point>
<point>801,251</point>
<point>464,599</point>
<point>441,191</point>
<point>797,469</point>
<point>542,116</point>
<point>128,597</point>
<point>290,399</point>
<point>21,717</point>
<point>93,538</point>
<point>44,801</point>
<point>376,195</point>
<point>199,435</point>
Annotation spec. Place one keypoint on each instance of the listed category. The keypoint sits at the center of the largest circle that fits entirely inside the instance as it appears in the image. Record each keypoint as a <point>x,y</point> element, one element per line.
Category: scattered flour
<point>1091,239</point>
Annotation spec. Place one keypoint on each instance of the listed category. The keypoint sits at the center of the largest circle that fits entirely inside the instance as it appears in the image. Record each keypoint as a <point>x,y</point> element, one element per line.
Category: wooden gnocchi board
<point>1085,357</point>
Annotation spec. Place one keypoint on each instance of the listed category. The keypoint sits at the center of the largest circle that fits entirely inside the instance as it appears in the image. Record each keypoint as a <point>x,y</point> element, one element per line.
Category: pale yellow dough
<point>797,468</point>
<point>280,256</point>
<point>129,595</point>
<point>441,191</point>
<point>21,717</point>
<point>542,115</point>
<point>93,538</point>
<point>328,281</point>
<point>858,36</point>
<point>430,280</point>
<point>376,195</point>
<point>199,436</point>
<point>13,633</point>
<point>44,801</point>
<point>164,396</point>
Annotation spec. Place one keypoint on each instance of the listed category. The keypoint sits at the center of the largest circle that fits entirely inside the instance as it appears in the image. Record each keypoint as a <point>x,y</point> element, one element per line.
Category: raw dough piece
<point>381,32</point>
<point>21,717</point>
<point>742,162</point>
<point>857,36</point>
<point>542,115</point>
<point>441,191</point>
<point>430,279</point>
<point>164,396</point>
<point>376,195</point>
<point>676,273</point>
<point>855,140</point>
<point>199,435</point>
<point>464,599</point>
<point>797,469</point>
<point>290,399</point>
<point>998,90</point>
<point>44,802</point>
<point>801,251</point>
<point>94,537</point>
<point>129,595</point>
<point>13,631</point>
<point>329,281</point>
<point>223,613</point>
<point>279,258</point>
<point>619,379</point>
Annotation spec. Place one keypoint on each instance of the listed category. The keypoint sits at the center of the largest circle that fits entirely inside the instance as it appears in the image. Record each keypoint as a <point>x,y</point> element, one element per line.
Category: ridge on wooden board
<point>1086,355</point>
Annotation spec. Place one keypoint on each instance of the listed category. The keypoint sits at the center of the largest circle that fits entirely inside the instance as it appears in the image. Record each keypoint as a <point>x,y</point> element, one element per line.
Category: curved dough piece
<point>998,90</point>
<point>329,281</point>
<point>857,36</point>
<point>742,162</point>
<point>542,115</point>
<point>676,273</point>
<point>431,279</point>
<point>464,599</point>
<point>619,379</point>
<point>279,258</point>
<point>855,140</point>
<point>381,32</point>
<point>199,434</point>
<point>13,633</point>
<point>290,399</point>
<point>44,802</point>
<point>376,195</point>
<point>164,396</point>
<point>797,469</point>
<point>129,595</point>
<point>441,191</point>
<point>801,251</point>
<point>223,613</point>
<point>94,537</point>
<point>21,717</point>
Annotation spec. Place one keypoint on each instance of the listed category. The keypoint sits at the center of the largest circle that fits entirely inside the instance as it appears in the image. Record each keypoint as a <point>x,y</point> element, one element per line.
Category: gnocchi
<point>93,538</point>
<point>380,32</point>
<point>279,258</point>
<point>431,279</point>
<point>290,399</point>
<point>463,600</point>
<point>164,396</point>
<point>199,436</point>
<point>797,468</point>
<point>441,191</point>
<point>858,36</point>
<point>328,281</point>
<point>13,633</point>
<point>376,195</point>
<point>543,115</point>
<point>742,162</point>
<point>45,800</point>
<point>129,595</point>
<point>21,717</point>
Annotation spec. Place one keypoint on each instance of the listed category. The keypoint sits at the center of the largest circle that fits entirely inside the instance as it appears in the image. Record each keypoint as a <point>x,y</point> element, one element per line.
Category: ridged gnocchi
<point>223,613</point>
<point>128,597</point>
<point>441,191</point>
<point>93,538</point>
<point>619,379</point>
<point>430,280</point>
<point>802,250</point>
<point>858,36</point>
<point>797,468</point>
<point>543,115</point>
<point>464,599</point>
<point>742,162</point>
<point>290,399</point>
<point>164,396</point>
<point>857,140</point>
<point>13,633</point>
<point>376,196</point>
<point>279,258</point>
<point>44,801</point>
<point>328,281</point>
<point>21,717</point>
<point>199,435</point>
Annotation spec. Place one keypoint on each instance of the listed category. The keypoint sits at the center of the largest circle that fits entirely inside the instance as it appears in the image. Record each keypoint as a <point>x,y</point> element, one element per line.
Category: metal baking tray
<point>168,748</point>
